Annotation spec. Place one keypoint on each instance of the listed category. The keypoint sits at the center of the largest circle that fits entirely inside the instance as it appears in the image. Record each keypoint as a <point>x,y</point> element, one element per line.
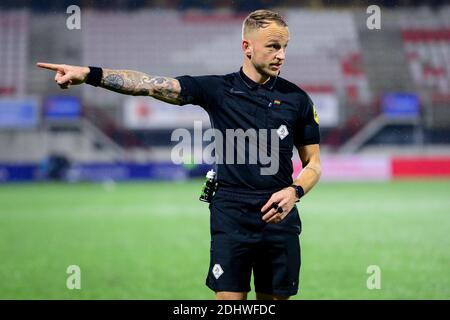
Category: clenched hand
<point>284,201</point>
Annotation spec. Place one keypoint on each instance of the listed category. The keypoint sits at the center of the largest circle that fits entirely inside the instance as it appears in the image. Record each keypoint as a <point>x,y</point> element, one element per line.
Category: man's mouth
<point>275,66</point>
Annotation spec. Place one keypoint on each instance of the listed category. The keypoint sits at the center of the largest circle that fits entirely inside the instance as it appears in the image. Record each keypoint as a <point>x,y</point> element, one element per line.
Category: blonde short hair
<point>261,19</point>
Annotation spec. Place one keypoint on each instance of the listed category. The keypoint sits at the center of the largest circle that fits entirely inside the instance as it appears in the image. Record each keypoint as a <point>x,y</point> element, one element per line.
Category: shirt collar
<point>252,84</point>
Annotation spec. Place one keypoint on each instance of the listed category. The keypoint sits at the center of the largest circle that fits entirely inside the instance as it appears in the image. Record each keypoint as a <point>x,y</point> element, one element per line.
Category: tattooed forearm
<point>140,84</point>
<point>166,89</point>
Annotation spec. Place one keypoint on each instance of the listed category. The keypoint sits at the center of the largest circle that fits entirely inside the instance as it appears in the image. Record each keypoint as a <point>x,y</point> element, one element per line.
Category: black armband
<point>95,76</point>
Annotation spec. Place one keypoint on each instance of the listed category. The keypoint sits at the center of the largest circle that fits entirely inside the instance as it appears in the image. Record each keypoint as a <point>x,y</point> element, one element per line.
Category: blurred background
<point>86,176</point>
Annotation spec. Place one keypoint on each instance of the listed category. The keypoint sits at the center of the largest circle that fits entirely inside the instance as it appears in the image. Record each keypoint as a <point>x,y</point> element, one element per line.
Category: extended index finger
<point>49,66</point>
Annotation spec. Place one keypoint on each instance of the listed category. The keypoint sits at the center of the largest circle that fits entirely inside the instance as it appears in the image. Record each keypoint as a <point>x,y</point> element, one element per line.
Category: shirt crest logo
<point>217,271</point>
<point>282,131</point>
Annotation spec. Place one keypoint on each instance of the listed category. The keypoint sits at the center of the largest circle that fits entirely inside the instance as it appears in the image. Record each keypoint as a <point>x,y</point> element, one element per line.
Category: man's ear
<point>247,48</point>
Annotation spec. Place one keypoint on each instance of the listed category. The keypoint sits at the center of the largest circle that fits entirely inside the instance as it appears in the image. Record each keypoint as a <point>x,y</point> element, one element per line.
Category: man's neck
<point>253,74</point>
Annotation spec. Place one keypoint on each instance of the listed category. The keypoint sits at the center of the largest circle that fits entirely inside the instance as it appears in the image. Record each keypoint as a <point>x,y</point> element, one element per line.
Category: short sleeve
<point>197,90</point>
<point>307,128</point>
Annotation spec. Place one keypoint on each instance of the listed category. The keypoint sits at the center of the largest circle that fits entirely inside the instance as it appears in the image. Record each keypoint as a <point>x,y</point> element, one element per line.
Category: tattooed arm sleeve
<point>140,84</point>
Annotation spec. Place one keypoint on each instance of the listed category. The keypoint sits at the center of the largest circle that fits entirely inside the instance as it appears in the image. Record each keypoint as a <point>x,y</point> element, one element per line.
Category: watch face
<point>297,192</point>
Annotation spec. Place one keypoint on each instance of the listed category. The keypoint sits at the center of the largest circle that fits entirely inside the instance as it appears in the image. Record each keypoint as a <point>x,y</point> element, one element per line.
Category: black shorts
<point>241,242</point>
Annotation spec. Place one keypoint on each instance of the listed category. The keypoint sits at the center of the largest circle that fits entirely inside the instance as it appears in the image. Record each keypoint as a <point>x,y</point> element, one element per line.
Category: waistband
<point>236,191</point>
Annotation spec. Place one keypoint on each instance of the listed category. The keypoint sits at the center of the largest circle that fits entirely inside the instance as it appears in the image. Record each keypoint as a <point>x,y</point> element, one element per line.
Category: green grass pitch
<point>151,240</point>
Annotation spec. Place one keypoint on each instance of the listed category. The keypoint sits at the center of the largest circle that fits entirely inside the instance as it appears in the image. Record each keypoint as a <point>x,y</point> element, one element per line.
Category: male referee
<point>255,225</point>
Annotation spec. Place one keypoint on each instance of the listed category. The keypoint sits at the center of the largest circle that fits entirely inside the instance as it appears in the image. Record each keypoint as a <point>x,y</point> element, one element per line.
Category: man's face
<point>266,48</point>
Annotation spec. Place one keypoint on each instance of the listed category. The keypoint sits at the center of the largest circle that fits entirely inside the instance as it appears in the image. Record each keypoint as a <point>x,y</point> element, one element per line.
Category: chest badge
<point>282,131</point>
<point>276,102</point>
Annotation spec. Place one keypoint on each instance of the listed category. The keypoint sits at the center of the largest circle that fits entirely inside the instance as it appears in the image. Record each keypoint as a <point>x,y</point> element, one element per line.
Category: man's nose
<point>281,54</point>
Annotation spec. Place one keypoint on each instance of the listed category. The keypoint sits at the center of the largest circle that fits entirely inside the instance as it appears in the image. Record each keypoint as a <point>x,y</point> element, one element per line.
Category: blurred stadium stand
<point>236,5</point>
<point>347,68</point>
<point>14,34</point>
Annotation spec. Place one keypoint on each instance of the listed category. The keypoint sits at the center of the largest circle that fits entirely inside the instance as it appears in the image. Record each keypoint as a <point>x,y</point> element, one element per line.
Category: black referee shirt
<point>234,101</point>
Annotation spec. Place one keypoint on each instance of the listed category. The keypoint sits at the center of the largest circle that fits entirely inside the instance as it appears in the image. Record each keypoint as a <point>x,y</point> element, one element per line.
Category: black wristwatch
<point>299,192</point>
